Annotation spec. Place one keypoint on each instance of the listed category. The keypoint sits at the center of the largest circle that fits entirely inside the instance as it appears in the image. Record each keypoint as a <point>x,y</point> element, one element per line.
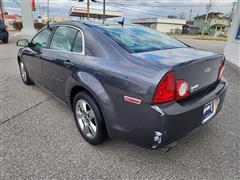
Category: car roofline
<point>91,23</point>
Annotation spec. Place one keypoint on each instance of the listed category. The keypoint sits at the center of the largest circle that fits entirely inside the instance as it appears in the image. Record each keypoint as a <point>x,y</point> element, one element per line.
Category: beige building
<point>93,13</point>
<point>165,25</point>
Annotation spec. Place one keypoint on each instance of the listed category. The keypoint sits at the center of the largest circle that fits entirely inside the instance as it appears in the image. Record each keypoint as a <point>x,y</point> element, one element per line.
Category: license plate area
<point>209,110</point>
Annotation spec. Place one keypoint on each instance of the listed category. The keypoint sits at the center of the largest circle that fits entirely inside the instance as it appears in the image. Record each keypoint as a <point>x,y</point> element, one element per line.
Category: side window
<point>63,38</point>
<point>77,46</point>
<point>41,40</point>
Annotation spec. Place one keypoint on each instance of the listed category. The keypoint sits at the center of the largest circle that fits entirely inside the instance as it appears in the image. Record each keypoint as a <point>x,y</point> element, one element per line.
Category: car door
<point>33,52</point>
<point>65,52</point>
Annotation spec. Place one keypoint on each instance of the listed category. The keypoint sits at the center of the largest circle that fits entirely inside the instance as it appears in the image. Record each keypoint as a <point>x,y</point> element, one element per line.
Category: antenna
<point>121,22</point>
<point>48,26</point>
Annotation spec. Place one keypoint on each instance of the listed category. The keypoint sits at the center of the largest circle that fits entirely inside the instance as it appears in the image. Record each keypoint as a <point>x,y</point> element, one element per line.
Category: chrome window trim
<point>83,40</point>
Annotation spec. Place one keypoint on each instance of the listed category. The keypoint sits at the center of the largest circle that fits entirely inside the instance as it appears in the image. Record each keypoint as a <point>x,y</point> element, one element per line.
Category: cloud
<point>133,8</point>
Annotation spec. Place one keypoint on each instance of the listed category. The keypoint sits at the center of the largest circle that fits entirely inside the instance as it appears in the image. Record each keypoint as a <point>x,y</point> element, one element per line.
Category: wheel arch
<point>78,88</point>
<point>74,91</point>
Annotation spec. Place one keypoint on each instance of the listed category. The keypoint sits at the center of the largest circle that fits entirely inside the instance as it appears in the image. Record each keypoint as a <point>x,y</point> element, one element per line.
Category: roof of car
<point>91,23</point>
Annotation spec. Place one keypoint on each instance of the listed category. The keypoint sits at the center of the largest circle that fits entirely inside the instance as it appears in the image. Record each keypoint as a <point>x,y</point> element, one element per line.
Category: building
<point>232,48</point>
<point>165,25</point>
<point>217,23</point>
<point>190,29</point>
<point>93,13</point>
<point>12,17</point>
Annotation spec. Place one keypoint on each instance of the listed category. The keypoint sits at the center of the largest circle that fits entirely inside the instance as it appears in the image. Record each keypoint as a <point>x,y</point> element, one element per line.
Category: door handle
<point>68,63</point>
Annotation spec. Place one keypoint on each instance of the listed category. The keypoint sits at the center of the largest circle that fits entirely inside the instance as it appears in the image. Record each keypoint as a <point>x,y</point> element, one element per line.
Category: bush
<point>223,35</point>
<point>18,25</point>
<point>38,25</point>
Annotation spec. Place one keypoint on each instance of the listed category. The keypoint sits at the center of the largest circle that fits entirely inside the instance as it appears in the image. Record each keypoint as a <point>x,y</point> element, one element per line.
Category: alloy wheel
<point>23,72</point>
<point>86,118</point>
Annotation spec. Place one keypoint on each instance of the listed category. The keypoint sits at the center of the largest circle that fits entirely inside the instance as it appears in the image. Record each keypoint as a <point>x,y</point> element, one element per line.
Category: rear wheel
<point>89,119</point>
<point>5,40</point>
<point>24,75</point>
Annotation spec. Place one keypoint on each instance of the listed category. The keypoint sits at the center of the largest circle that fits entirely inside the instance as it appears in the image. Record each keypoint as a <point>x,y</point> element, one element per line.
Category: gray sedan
<point>125,81</point>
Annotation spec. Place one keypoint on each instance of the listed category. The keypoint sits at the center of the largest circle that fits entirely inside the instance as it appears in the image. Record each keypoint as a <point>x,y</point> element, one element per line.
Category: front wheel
<point>89,119</point>
<point>24,75</point>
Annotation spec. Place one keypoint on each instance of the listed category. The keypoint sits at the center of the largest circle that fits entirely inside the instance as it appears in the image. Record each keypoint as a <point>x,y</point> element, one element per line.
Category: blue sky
<point>133,8</point>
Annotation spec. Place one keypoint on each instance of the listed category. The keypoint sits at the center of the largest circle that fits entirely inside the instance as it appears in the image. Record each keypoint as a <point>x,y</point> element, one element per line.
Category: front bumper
<point>167,123</point>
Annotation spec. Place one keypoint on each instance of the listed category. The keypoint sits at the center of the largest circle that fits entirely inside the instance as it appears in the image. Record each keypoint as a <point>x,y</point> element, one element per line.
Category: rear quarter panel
<point>109,80</point>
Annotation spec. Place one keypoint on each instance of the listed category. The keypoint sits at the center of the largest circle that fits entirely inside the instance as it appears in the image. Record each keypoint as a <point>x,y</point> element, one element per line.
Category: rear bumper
<point>182,119</point>
<point>3,35</point>
<point>162,125</point>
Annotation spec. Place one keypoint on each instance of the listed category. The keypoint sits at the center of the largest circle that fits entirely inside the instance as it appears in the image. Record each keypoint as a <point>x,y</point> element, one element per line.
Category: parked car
<point>125,82</point>
<point>3,32</point>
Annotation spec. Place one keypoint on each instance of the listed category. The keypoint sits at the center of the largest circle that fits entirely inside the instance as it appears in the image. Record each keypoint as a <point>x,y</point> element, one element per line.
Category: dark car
<point>125,82</point>
<point>3,32</point>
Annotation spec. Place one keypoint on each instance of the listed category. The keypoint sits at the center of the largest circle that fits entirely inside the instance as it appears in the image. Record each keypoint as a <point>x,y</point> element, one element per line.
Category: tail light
<point>221,69</point>
<point>170,89</point>
<point>5,29</point>
<point>182,89</point>
<point>165,91</point>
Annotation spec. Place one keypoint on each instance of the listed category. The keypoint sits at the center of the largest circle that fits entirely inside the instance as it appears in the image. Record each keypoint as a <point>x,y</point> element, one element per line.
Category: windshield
<point>135,39</point>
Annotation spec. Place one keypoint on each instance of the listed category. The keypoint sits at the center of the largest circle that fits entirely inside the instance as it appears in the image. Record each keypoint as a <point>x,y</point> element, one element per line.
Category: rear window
<point>136,39</point>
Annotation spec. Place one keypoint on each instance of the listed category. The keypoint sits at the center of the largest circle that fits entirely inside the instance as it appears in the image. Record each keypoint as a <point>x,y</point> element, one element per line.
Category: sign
<point>33,5</point>
<point>238,33</point>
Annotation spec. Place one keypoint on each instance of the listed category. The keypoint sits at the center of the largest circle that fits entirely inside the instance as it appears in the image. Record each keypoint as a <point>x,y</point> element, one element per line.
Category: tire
<point>24,75</point>
<point>89,118</point>
<point>5,40</point>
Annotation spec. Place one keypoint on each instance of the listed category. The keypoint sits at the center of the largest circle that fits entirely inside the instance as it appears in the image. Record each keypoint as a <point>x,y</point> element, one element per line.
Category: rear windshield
<point>136,39</point>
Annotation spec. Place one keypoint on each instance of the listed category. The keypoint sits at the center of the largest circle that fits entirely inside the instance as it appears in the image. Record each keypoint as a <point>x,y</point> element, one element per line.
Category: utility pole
<point>2,11</point>
<point>232,12</point>
<point>104,10</point>
<point>88,5</point>
<point>40,10</point>
<point>208,8</point>
<point>190,16</point>
<point>48,14</point>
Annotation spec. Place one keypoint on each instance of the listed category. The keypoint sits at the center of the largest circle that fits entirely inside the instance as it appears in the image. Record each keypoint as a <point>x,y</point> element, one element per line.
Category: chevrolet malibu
<point>125,81</point>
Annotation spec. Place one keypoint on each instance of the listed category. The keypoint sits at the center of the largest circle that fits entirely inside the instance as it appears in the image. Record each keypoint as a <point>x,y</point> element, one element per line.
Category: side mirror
<point>23,43</point>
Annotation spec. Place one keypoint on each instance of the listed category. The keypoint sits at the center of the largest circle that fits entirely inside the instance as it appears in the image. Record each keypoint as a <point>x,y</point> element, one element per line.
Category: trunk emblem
<point>194,88</point>
<point>208,70</point>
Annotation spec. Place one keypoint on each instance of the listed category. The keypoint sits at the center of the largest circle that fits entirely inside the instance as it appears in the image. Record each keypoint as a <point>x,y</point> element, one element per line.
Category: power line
<point>138,11</point>
<point>161,4</point>
<point>17,3</point>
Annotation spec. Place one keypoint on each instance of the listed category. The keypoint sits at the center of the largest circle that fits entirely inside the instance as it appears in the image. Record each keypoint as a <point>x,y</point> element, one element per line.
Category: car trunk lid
<point>199,68</point>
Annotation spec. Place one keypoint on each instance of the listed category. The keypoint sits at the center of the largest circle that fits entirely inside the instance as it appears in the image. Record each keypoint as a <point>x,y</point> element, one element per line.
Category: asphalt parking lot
<point>39,139</point>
